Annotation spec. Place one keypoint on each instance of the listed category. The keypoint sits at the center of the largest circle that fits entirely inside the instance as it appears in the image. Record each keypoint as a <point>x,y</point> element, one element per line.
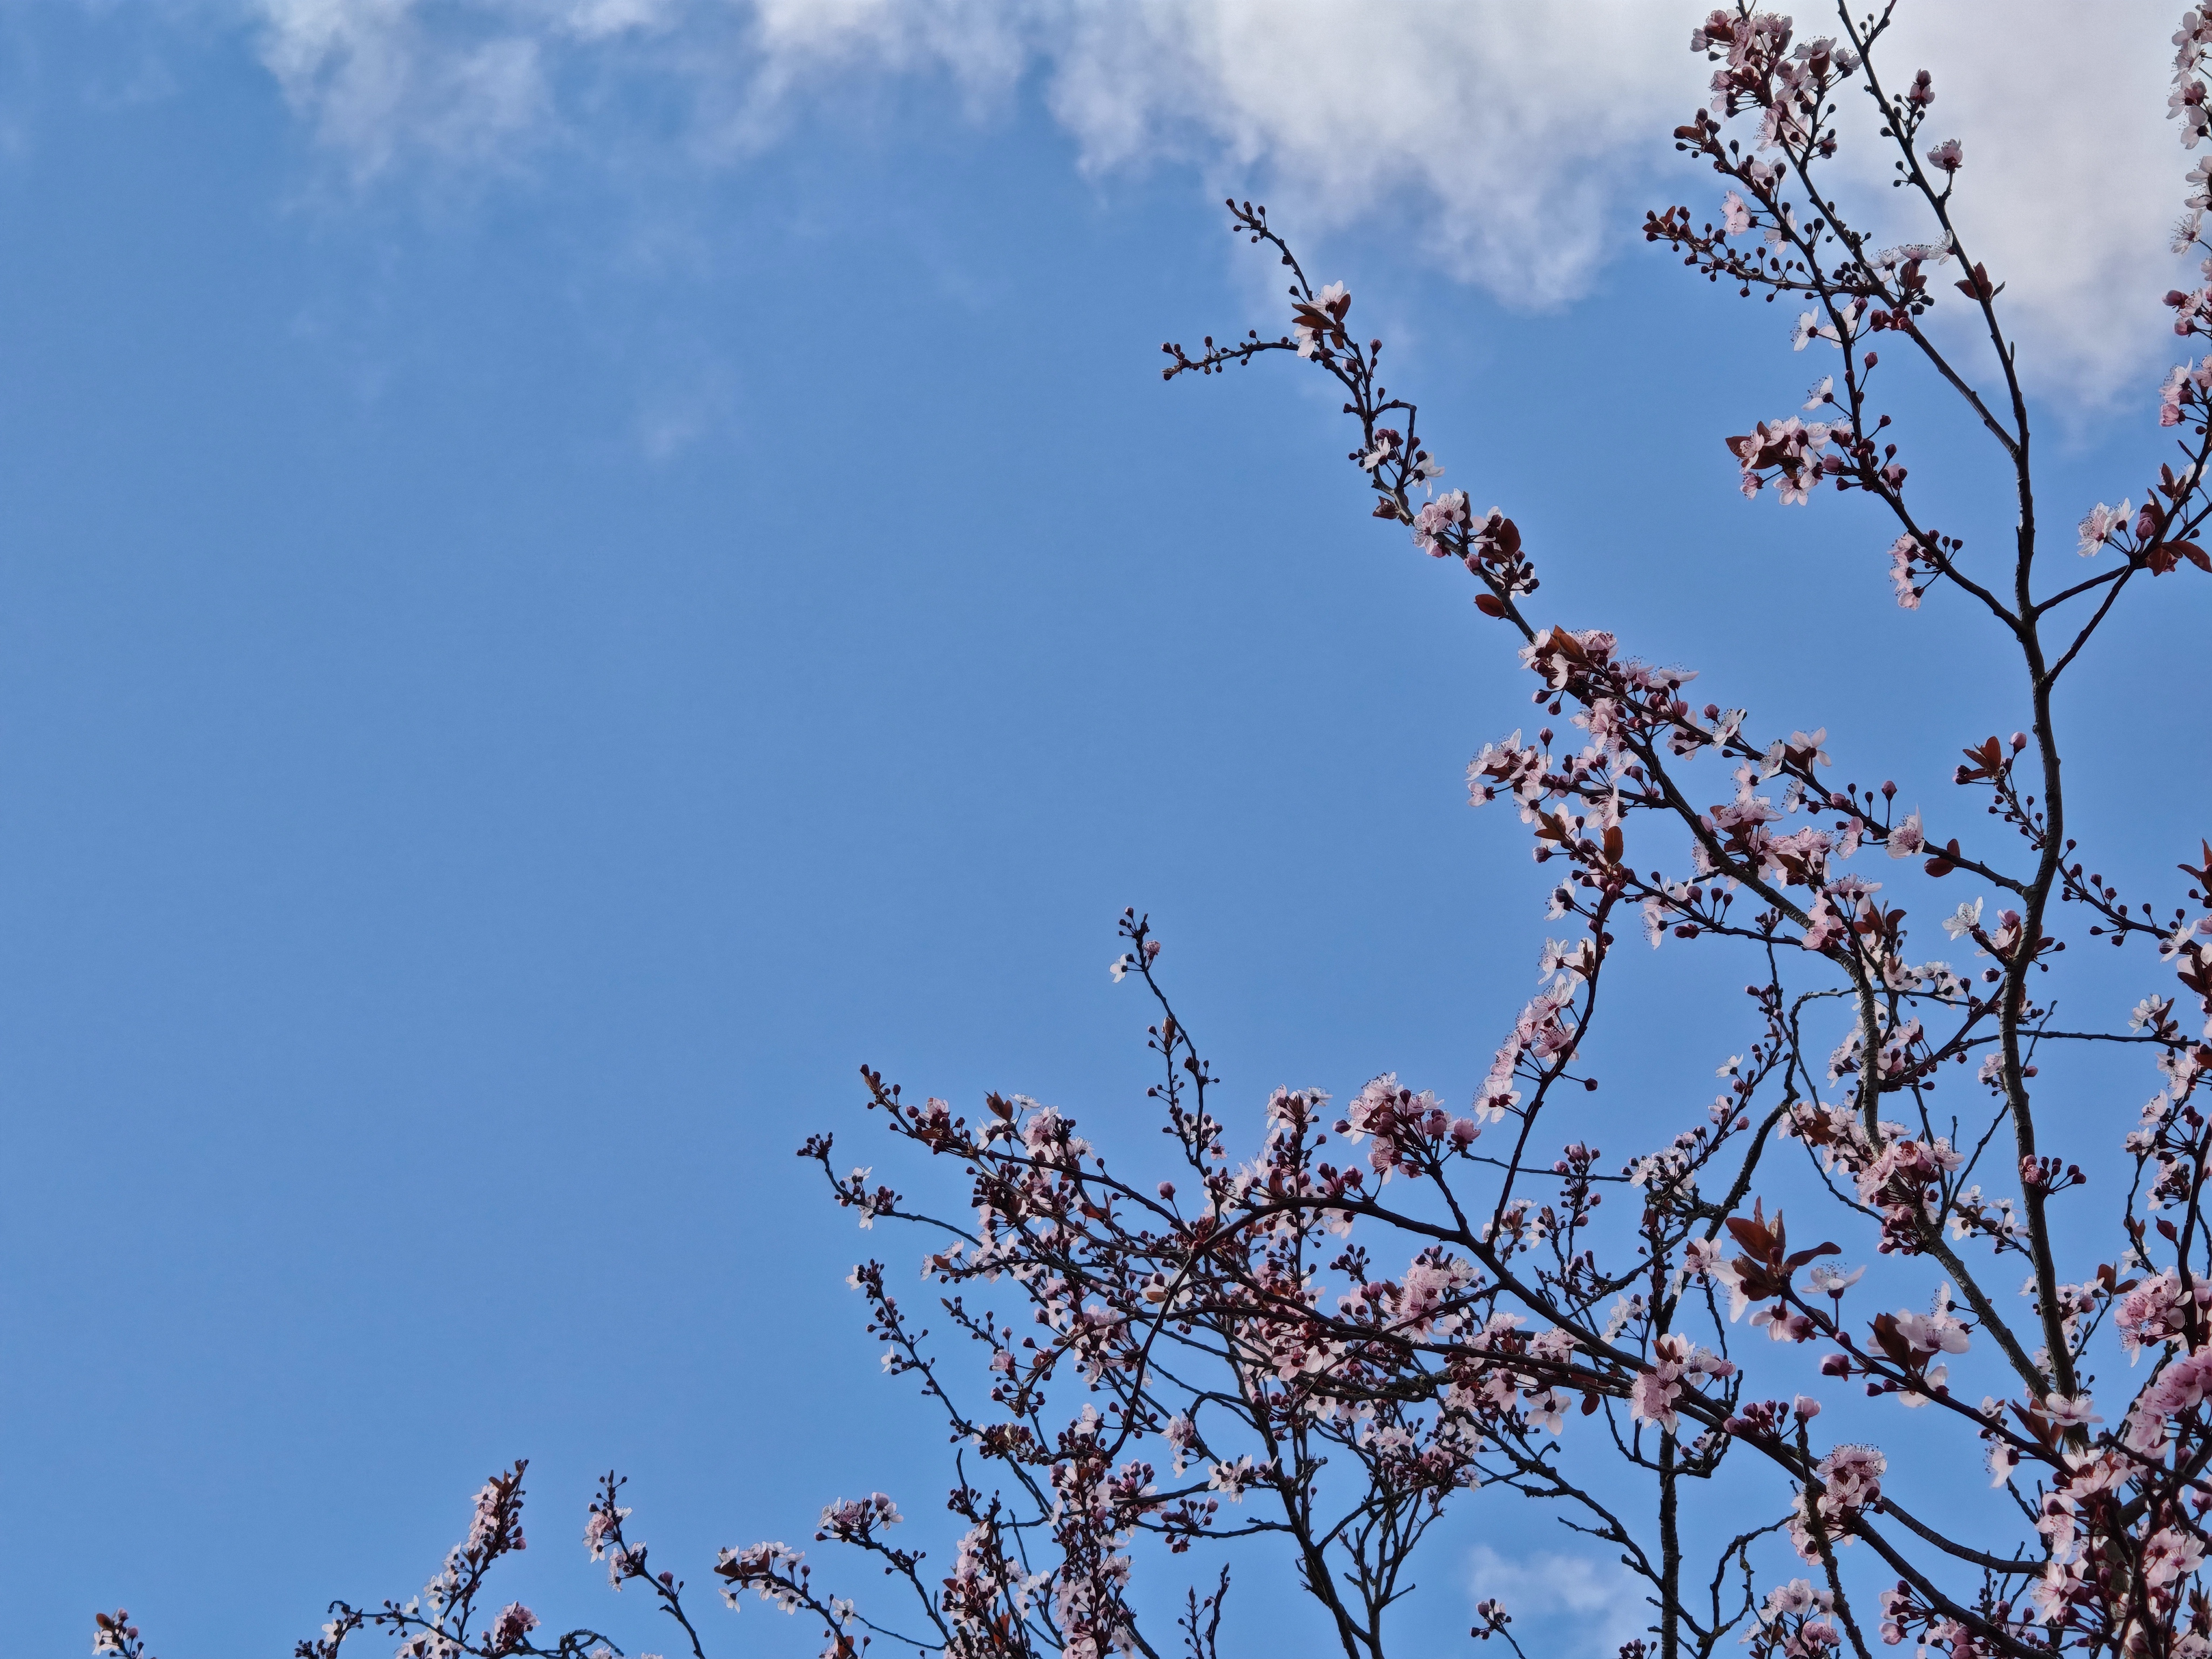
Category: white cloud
<point>2073,175</point>
<point>1511,144</point>
<point>1585,1607</point>
<point>377,81</point>
<point>1490,128</point>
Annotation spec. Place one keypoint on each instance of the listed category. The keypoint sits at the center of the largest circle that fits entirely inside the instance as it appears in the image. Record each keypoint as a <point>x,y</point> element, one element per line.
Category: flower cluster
<point>1676,1363</point>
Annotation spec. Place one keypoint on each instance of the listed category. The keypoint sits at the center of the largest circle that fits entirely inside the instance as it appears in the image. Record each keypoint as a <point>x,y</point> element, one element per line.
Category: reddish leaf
<point>1752,1235</point>
<point>2201,876</point>
<point>2036,1425</point>
<point>1890,1342</point>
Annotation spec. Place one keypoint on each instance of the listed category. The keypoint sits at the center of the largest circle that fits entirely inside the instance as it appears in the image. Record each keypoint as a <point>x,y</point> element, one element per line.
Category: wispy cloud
<point>1509,144</point>
<point>1583,1606</point>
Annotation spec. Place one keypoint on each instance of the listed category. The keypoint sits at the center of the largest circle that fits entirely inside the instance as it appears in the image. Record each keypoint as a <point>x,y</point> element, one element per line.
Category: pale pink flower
<point>2168,1554</point>
<point>1230,1479</point>
<point>2070,1412</point>
<point>2003,1460</point>
<point>1935,1332</point>
<point>1309,337</point>
<point>509,1629</point>
<point>1831,1280</point>
<point>1824,926</point>
<point>1902,553</point>
<point>2100,525</point>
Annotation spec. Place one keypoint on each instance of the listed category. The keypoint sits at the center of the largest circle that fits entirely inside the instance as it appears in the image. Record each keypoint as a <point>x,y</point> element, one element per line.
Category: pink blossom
<point>2070,1411</point>
<point>1798,1597</point>
<point>767,1568</point>
<point>1400,1121</point>
<point>1935,1332</point>
<point>2156,1312</point>
<point>1230,1479</point>
<point>1787,453</point>
<point>1825,927</point>
<point>2168,1554</point>
<point>601,1526</point>
<point>2053,1593</point>
<point>1851,1479</point>
<point>1437,519</point>
<point>1676,1362</point>
<point>1830,1280</point>
<point>1313,331</point>
<point>2003,1460</point>
<point>1651,1399</point>
<point>849,1519</point>
<point>1902,553</point>
<point>511,1628</point>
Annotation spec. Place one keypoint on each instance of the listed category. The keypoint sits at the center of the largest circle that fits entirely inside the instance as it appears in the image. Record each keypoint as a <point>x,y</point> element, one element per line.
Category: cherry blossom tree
<point>1313,1326</point>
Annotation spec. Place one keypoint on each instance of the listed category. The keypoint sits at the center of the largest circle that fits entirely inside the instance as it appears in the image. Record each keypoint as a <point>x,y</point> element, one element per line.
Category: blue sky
<point>527,654</point>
